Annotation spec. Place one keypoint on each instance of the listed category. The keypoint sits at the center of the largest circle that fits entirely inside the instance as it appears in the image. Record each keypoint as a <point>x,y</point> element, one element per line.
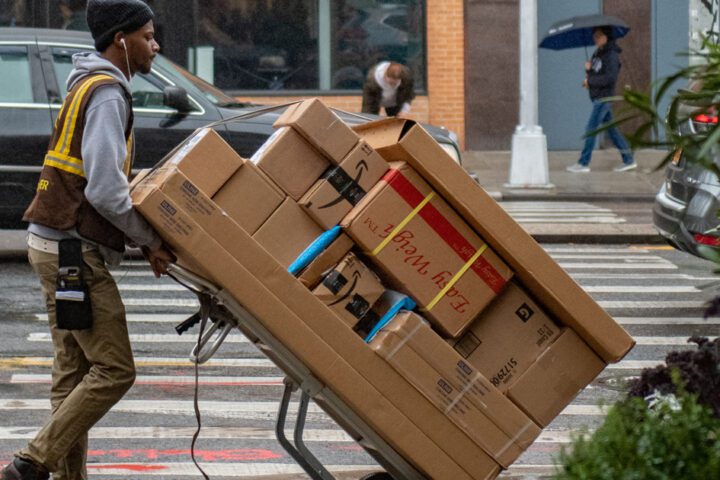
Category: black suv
<point>169,103</point>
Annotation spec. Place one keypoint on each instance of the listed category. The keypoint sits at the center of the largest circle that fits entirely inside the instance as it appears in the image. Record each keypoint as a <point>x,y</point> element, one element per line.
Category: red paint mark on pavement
<point>128,466</point>
<point>244,454</point>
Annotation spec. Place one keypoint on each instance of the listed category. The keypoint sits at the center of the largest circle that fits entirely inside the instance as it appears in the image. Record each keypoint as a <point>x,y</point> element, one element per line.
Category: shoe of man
<point>625,167</point>
<point>21,469</point>
<point>578,168</point>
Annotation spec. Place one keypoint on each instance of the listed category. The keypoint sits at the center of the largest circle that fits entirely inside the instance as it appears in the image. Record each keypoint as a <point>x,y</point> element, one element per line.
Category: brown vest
<point>60,201</point>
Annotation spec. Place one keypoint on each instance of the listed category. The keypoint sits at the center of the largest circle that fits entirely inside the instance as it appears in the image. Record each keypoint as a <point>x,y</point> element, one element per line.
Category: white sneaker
<point>625,167</point>
<point>578,168</point>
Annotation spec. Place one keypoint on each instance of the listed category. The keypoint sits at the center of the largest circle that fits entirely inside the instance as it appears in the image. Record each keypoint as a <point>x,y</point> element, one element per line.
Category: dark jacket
<point>372,93</point>
<point>604,70</point>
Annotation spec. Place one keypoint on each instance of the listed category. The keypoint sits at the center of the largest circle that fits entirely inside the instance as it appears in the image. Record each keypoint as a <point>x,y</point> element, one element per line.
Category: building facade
<point>463,53</point>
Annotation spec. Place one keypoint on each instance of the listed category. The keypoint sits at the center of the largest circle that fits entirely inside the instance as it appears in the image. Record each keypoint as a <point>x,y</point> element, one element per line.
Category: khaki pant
<point>92,369</point>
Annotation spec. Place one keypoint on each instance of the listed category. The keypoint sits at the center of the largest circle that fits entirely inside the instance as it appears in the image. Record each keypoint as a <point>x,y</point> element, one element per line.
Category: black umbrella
<point>577,31</point>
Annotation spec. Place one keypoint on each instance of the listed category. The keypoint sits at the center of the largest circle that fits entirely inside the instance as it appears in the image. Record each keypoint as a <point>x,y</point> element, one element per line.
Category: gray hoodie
<point>103,152</point>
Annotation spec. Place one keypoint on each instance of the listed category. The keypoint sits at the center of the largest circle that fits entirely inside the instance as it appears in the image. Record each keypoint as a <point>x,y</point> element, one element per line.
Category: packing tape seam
<point>403,341</point>
<point>456,278</point>
<point>402,224</point>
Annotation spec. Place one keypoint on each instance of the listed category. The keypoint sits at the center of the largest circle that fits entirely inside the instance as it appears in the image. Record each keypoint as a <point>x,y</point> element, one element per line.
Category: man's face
<point>142,48</point>
<point>599,38</point>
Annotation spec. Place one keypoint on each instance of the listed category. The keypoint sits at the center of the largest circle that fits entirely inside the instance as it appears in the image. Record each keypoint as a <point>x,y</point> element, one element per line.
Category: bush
<point>678,438</point>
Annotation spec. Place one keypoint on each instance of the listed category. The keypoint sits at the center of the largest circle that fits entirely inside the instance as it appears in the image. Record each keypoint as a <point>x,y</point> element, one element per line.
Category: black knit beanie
<point>107,17</point>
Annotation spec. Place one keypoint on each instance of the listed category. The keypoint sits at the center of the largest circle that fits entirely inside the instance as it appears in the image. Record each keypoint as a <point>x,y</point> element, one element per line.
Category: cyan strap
<point>405,303</point>
<point>315,249</point>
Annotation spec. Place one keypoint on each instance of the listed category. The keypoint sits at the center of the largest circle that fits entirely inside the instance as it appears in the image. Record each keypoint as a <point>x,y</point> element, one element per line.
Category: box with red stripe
<point>426,250</point>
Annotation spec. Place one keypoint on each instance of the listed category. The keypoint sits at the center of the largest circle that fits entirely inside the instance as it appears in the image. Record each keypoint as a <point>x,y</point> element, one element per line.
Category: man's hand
<point>588,66</point>
<point>585,83</point>
<point>159,259</point>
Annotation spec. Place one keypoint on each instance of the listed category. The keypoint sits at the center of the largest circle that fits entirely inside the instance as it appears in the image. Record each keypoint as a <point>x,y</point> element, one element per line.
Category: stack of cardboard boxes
<point>502,338</point>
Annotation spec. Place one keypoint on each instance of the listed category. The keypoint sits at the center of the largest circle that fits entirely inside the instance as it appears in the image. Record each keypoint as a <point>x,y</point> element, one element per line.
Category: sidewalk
<point>600,184</point>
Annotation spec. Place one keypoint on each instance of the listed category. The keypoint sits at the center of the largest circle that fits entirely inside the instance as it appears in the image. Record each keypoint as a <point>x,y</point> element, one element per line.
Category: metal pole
<point>529,165</point>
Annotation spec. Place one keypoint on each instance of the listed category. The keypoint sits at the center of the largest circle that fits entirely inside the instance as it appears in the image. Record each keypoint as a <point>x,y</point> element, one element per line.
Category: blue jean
<point>601,113</point>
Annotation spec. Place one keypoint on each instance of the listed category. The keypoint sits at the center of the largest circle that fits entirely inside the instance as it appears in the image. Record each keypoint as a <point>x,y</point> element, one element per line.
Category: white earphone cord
<point>127,59</point>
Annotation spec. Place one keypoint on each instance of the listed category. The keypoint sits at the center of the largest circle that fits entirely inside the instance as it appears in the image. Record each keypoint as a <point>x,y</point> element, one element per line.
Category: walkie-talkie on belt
<point>73,310</point>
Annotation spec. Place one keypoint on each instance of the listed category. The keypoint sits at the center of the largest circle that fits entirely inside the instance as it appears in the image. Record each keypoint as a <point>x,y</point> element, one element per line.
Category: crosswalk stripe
<point>152,287</point>
<point>649,305</point>
<point>617,266</point>
<point>640,289</point>
<point>640,276</point>
<point>213,470</point>
<point>161,302</point>
<point>137,317</point>
<point>244,433</point>
<point>584,250</point>
<point>614,256</point>
<point>168,380</point>
<point>659,321</point>
<point>16,362</point>
<point>523,219</point>
<point>148,338</point>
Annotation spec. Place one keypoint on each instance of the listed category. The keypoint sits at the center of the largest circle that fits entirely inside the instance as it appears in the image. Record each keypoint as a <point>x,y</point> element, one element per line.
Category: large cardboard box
<point>342,187</point>
<point>564,300</point>
<point>350,290</point>
<point>249,197</point>
<point>287,233</point>
<point>321,127</point>
<point>292,163</point>
<point>325,262</point>
<point>379,395</point>
<point>465,395</point>
<point>426,249</point>
<point>207,159</point>
<point>556,377</point>
<point>507,337</point>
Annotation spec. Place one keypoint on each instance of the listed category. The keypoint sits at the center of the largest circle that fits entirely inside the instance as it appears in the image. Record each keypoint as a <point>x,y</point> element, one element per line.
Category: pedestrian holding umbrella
<point>601,76</point>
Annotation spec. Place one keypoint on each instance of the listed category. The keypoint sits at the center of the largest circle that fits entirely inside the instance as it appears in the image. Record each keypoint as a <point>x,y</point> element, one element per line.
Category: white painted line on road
<point>585,410</point>
<point>161,302</point>
<point>660,321</point>
<point>137,318</point>
<point>642,258</point>
<point>618,266</point>
<point>641,276</point>
<point>525,219</point>
<point>650,305</point>
<point>149,338</point>
<point>214,469</point>
<point>634,364</point>
<point>676,341</point>
<point>169,380</point>
<point>149,287</point>
<point>215,409</point>
<point>166,433</point>
<point>563,214</point>
<point>18,362</point>
<point>640,289</point>
<point>614,250</point>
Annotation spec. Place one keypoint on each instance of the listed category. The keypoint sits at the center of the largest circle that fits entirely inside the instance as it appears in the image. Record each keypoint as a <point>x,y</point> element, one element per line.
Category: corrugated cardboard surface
<point>458,456</point>
<point>325,262</point>
<point>342,187</point>
<point>350,290</point>
<point>292,163</point>
<point>556,377</point>
<point>511,425</point>
<point>507,337</point>
<point>207,159</point>
<point>287,233</point>
<point>321,127</point>
<point>426,247</point>
<point>565,301</point>
<point>249,197</point>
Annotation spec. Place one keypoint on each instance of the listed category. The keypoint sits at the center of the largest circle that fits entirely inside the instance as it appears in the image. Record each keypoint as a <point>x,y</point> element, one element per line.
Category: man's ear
<point>119,40</point>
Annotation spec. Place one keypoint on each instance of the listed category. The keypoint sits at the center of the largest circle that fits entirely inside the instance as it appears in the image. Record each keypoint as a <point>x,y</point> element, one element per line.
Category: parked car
<point>686,207</point>
<point>169,103</point>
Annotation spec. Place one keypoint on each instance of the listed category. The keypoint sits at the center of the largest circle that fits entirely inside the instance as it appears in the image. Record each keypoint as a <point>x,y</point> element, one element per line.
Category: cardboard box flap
<point>397,139</point>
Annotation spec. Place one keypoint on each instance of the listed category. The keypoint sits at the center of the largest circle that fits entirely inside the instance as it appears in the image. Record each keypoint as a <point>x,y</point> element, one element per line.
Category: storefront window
<point>267,46</point>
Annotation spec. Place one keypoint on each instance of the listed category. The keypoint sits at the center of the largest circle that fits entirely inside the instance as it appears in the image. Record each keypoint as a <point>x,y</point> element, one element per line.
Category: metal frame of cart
<point>227,314</point>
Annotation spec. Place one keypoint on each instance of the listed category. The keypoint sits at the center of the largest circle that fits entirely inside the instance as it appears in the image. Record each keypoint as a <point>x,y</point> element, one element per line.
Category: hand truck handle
<point>201,353</point>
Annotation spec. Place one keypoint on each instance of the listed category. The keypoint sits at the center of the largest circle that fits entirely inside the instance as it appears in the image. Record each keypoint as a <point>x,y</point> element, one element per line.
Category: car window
<point>147,90</point>
<point>15,81</point>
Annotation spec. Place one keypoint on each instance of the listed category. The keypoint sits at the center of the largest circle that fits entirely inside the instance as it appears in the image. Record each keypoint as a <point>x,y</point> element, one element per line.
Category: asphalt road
<point>653,291</point>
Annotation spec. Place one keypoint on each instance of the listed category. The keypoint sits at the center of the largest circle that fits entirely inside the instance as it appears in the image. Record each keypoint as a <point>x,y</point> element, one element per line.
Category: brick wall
<point>445,103</point>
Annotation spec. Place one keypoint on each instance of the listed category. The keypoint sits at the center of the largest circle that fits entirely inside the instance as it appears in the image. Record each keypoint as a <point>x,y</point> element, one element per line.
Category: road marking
<point>640,289</point>
<point>13,362</point>
<point>677,341</point>
<point>149,287</point>
<point>149,338</point>
<point>524,219</point>
<point>137,318</point>
<point>161,302</point>
<point>215,469</point>
<point>634,364</point>
<point>243,433</point>
<point>649,305</point>
<point>642,258</point>
<point>641,276</point>
<point>618,266</point>
<point>660,321</point>
<point>168,380</point>
<point>613,250</point>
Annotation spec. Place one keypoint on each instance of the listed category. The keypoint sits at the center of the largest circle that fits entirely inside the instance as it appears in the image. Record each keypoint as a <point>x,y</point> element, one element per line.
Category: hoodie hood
<point>90,63</point>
